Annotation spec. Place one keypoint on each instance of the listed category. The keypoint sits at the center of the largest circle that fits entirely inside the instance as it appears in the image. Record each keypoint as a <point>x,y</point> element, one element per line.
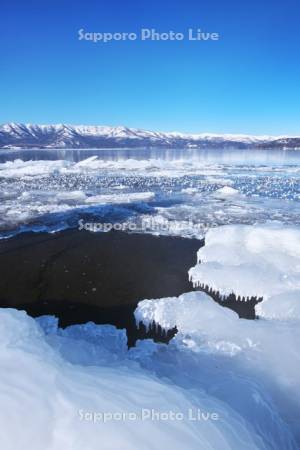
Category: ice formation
<point>209,187</point>
<point>80,386</point>
<point>226,191</point>
<point>252,366</point>
<point>120,198</point>
<point>253,261</point>
<point>60,397</point>
<point>219,353</point>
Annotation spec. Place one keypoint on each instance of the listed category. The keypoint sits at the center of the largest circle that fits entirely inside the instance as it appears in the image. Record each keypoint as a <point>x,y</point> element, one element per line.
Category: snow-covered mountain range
<point>17,135</point>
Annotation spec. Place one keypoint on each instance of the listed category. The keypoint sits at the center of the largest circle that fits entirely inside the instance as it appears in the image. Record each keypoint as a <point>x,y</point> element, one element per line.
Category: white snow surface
<point>226,190</point>
<point>58,384</point>
<point>252,366</point>
<point>259,261</point>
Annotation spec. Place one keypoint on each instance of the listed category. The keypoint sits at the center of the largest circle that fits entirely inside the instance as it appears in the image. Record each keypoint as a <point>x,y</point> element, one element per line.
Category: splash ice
<point>253,261</point>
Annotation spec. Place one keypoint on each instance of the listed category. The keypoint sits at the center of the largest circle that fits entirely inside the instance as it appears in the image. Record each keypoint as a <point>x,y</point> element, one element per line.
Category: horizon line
<point>204,133</point>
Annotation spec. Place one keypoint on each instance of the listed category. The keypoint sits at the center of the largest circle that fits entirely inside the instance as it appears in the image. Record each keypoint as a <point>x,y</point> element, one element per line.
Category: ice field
<point>222,382</point>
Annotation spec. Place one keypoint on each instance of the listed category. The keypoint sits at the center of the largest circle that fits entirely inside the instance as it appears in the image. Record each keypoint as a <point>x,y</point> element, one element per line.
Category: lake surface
<point>174,191</point>
<point>223,156</point>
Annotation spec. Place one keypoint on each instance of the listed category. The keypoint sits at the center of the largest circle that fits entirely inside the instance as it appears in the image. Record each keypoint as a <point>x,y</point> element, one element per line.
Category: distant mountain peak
<point>20,135</point>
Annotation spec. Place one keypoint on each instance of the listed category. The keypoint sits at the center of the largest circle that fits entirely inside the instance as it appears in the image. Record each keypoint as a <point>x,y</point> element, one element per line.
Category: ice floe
<point>253,261</point>
<point>206,187</point>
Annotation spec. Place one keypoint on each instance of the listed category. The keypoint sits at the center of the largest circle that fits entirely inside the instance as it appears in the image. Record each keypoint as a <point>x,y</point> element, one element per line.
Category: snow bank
<point>253,366</point>
<point>48,402</point>
<point>259,261</point>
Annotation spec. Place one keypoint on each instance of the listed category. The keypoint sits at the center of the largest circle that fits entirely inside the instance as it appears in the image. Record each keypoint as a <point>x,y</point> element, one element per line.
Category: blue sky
<point>247,82</point>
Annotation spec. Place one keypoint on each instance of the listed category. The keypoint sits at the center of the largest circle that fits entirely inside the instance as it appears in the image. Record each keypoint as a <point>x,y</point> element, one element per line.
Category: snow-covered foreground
<point>80,388</point>
<point>251,366</point>
<point>48,402</point>
<point>221,383</point>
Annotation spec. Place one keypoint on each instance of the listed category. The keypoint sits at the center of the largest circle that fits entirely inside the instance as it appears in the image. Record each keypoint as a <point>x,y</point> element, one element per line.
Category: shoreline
<point>79,276</point>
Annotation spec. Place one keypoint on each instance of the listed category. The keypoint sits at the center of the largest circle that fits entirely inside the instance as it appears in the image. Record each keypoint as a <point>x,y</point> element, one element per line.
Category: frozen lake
<point>179,191</point>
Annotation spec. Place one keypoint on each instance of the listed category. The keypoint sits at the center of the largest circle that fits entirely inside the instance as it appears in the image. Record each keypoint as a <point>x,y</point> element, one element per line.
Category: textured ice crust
<point>251,365</point>
<point>253,261</point>
<point>58,397</point>
<point>86,369</point>
<point>86,343</point>
<point>185,190</point>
